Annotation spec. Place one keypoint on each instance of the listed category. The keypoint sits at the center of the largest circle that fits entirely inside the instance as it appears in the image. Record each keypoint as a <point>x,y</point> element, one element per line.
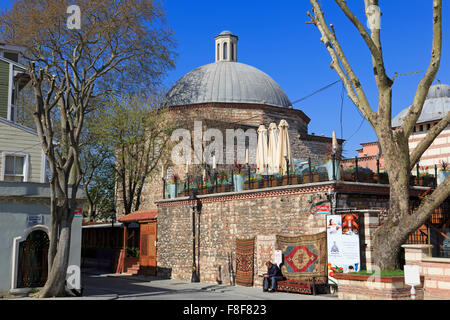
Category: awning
<point>140,215</point>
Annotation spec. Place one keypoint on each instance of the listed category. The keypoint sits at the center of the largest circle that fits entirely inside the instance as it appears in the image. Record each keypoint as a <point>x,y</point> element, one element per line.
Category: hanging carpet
<point>304,257</point>
<point>245,249</point>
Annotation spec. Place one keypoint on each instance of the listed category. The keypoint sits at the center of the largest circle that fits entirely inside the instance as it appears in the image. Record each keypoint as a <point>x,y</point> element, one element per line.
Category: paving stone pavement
<point>127,287</point>
<point>104,286</point>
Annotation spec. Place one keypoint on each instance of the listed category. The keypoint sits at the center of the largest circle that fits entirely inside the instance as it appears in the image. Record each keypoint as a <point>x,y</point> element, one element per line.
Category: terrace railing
<point>299,172</point>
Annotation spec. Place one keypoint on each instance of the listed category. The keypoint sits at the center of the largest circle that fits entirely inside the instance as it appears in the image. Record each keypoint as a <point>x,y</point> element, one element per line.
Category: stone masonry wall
<point>222,221</point>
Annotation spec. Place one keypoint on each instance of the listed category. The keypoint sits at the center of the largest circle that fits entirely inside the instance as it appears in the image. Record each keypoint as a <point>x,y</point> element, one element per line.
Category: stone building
<point>228,94</point>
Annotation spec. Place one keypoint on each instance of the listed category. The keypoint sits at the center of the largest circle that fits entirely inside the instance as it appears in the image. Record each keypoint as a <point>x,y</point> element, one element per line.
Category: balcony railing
<point>301,172</point>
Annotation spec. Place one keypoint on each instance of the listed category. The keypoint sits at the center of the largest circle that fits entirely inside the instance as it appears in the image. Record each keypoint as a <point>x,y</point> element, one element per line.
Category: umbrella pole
<point>287,169</point>
<point>249,181</point>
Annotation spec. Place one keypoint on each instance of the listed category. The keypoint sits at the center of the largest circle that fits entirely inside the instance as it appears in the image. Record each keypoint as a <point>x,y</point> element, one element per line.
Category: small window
<point>225,51</point>
<point>421,128</point>
<point>428,126</point>
<point>14,168</point>
<point>218,51</point>
<point>232,51</point>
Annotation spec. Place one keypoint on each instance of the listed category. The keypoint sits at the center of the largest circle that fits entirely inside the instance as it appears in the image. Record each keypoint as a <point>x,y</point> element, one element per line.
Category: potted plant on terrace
<point>223,182</point>
<point>297,174</point>
<point>238,178</point>
<point>382,177</point>
<point>313,176</point>
<point>173,186</point>
<point>249,182</point>
<point>190,186</point>
<point>329,163</point>
<point>425,179</point>
<point>443,172</point>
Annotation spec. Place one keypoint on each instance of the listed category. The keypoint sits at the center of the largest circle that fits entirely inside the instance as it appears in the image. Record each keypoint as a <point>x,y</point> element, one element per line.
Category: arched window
<point>218,51</point>
<point>225,51</point>
<point>232,51</point>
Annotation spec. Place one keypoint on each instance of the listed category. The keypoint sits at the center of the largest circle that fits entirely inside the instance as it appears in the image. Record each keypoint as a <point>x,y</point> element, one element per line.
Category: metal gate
<point>32,267</point>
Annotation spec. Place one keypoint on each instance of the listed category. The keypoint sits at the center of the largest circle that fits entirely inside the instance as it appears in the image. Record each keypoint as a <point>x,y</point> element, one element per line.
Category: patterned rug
<point>264,251</point>
<point>303,256</point>
<point>245,249</point>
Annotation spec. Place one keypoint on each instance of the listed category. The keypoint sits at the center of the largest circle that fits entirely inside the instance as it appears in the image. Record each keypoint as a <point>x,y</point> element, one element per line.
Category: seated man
<point>273,274</point>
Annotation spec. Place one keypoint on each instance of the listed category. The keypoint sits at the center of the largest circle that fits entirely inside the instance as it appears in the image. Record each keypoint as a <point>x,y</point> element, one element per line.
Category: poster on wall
<point>343,244</point>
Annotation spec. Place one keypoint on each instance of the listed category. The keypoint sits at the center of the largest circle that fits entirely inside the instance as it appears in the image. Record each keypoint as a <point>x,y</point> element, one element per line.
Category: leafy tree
<point>121,45</point>
<point>137,131</point>
<point>401,222</point>
<point>98,178</point>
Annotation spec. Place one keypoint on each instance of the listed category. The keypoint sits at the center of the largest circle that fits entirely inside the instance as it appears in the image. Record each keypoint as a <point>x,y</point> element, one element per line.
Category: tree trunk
<point>56,281</point>
<point>389,237</point>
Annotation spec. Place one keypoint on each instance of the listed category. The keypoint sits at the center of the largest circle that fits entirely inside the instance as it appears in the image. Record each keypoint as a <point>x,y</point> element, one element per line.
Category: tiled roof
<point>140,215</point>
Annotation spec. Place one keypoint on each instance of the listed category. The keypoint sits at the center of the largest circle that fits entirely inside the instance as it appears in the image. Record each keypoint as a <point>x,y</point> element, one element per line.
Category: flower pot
<point>426,181</point>
<point>381,178</point>
<point>173,191</point>
<point>238,181</point>
<point>314,177</point>
<point>442,175</point>
<point>222,188</point>
<point>337,169</point>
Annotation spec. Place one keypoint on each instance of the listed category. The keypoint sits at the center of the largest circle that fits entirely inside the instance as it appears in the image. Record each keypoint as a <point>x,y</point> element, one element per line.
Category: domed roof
<point>225,32</point>
<point>226,82</point>
<point>435,107</point>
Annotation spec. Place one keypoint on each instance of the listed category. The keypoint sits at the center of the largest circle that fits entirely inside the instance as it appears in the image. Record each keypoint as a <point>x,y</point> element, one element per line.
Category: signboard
<point>278,257</point>
<point>78,212</point>
<point>412,275</point>
<point>34,219</point>
<point>323,209</point>
<point>343,244</point>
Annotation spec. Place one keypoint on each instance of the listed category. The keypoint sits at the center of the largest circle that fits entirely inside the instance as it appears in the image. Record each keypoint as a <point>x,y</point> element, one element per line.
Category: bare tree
<point>401,222</point>
<point>120,43</point>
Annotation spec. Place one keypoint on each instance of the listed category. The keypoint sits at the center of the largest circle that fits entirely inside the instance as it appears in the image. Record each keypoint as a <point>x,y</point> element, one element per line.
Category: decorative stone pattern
<point>436,271</point>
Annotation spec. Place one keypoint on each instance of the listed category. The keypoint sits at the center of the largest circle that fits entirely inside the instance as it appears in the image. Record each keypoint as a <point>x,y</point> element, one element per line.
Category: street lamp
<point>194,199</point>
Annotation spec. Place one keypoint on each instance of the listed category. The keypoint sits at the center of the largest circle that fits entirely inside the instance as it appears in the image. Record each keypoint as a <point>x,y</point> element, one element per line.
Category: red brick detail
<point>139,216</point>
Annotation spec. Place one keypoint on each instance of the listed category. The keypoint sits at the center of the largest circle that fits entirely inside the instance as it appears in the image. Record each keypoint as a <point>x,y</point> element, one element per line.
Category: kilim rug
<point>303,256</point>
<point>264,251</point>
<point>245,249</point>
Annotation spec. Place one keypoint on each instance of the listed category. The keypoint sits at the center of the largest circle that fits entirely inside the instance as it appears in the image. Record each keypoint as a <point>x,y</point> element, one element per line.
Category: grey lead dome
<point>436,105</point>
<point>226,82</point>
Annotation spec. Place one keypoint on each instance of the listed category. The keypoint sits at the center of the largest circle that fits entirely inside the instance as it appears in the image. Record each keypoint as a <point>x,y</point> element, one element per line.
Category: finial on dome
<point>226,46</point>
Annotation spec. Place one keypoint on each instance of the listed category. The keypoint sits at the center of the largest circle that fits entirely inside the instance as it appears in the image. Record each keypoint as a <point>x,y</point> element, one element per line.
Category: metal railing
<point>299,172</point>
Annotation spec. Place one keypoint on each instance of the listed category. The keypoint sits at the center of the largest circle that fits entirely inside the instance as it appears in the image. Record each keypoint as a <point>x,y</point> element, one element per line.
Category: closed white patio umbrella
<point>261,150</point>
<point>284,148</point>
<point>272,157</point>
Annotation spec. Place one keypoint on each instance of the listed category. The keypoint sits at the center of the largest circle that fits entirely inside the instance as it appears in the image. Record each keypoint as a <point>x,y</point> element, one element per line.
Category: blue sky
<point>274,37</point>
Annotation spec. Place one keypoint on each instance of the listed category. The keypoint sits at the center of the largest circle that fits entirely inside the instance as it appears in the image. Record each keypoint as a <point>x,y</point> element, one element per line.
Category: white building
<point>25,220</point>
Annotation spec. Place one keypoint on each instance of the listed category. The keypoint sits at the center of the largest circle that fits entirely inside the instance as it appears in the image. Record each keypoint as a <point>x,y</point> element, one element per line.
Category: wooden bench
<point>313,285</point>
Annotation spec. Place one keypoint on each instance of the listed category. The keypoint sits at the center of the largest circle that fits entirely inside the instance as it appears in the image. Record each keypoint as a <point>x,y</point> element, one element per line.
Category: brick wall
<point>436,271</point>
<point>232,115</point>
